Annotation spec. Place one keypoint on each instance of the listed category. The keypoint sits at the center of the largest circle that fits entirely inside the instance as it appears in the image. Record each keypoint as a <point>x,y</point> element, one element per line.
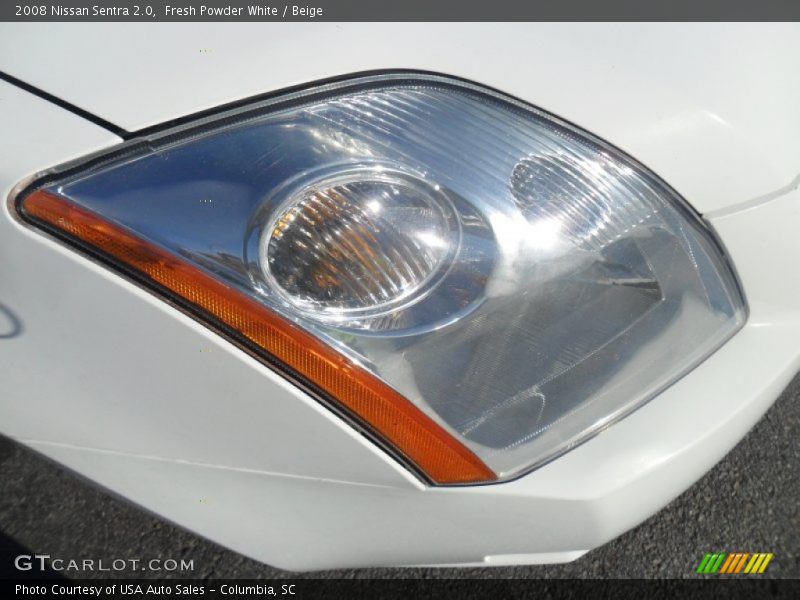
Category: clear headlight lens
<point>510,282</point>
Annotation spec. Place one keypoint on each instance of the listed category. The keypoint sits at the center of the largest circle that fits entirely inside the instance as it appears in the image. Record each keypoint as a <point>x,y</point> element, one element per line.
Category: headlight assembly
<point>474,283</point>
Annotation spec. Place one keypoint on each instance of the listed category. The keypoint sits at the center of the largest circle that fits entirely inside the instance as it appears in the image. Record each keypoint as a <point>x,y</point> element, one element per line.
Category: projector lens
<point>364,243</point>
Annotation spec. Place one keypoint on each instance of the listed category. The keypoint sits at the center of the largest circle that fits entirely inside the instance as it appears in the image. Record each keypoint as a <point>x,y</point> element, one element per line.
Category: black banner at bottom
<point>290,589</point>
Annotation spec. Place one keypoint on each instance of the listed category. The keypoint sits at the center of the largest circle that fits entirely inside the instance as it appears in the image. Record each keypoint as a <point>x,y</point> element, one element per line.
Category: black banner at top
<point>401,10</point>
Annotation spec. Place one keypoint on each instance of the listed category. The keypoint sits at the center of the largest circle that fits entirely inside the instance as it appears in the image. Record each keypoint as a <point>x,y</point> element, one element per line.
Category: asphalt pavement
<point>748,502</point>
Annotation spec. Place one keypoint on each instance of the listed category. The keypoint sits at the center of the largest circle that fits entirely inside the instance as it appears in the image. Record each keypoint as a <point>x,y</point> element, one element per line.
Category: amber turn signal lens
<point>442,458</point>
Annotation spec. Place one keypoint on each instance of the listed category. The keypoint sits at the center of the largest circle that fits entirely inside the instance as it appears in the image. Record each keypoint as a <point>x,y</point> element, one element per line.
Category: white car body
<point>107,379</point>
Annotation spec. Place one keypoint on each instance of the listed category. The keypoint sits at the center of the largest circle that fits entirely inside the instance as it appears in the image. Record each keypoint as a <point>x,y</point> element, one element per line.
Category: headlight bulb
<point>367,242</point>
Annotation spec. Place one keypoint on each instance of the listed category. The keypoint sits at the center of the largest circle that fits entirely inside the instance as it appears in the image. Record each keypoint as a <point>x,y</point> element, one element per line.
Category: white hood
<point>712,108</point>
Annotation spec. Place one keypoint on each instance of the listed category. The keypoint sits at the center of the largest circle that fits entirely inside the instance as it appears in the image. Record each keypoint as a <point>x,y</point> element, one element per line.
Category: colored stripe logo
<point>733,563</point>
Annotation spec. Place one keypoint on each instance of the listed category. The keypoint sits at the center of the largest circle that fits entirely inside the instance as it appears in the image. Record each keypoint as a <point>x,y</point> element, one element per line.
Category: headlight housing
<point>477,284</point>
